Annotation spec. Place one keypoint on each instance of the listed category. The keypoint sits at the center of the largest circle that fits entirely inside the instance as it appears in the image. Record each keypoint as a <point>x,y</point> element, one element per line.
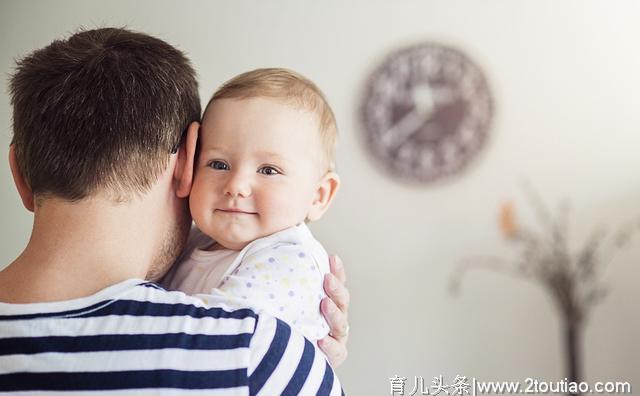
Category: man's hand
<point>335,309</point>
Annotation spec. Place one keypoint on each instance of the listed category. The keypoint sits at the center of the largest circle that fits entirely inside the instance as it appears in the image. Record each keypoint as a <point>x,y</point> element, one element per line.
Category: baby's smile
<point>235,211</point>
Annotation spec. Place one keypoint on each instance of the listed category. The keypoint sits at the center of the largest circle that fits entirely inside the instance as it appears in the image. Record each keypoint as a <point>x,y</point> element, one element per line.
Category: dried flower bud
<point>508,221</point>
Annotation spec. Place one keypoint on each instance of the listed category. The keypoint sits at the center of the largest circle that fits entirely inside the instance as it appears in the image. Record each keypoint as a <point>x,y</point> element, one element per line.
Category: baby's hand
<point>335,309</point>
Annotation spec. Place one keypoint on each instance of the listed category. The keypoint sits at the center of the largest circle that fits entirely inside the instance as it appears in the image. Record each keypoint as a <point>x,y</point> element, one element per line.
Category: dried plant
<point>573,278</point>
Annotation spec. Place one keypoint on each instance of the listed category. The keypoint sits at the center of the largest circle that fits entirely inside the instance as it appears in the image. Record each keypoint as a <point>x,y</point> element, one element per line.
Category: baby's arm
<point>285,281</point>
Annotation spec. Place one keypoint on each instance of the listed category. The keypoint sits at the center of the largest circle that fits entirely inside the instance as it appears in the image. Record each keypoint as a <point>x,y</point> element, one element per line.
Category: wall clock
<point>426,112</point>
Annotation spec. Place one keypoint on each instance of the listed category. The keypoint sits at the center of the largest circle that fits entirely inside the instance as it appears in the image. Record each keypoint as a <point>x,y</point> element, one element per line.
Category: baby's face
<point>258,169</point>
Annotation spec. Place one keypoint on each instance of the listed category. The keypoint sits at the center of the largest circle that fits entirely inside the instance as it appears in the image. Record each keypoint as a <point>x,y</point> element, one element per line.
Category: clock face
<point>426,112</point>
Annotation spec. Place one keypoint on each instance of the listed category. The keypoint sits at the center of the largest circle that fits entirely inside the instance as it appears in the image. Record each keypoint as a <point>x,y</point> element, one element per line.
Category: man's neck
<point>77,249</point>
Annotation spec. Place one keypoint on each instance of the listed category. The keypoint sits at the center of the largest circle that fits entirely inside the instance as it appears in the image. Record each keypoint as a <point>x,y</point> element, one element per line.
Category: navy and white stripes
<point>135,335</point>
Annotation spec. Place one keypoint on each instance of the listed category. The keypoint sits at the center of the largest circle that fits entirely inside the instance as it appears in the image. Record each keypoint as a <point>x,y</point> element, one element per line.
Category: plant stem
<point>573,343</point>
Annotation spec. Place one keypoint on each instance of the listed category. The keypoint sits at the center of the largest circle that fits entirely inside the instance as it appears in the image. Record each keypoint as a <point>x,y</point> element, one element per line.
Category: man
<point>105,132</point>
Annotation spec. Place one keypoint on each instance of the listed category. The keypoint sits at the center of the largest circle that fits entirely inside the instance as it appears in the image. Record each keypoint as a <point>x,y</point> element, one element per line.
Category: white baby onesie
<point>281,274</point>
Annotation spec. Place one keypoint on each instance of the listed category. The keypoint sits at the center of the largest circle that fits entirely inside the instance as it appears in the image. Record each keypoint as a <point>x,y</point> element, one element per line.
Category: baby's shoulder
<point>294,245</point>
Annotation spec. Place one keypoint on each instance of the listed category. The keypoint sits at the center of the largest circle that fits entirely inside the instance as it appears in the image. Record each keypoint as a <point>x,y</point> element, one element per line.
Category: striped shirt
<point>135,337</point>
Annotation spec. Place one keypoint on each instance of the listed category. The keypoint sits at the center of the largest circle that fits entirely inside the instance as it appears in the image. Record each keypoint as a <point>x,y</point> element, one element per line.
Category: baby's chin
<point>229,246</point>
<point>223,241</point>
<point>227,241</point>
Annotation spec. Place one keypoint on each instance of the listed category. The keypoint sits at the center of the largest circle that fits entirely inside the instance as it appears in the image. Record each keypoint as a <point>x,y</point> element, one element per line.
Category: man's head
<point>266,157</point>
<point>99,115</point>
<point>100,112</point>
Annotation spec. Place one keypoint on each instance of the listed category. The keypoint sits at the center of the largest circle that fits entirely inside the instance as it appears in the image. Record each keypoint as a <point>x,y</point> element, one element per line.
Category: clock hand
<point>403,129</point>
<point>423,101</point>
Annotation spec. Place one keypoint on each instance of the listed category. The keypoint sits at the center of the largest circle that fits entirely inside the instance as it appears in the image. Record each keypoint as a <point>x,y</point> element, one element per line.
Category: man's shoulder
<point>146,302</point>
<point>278,358</point>
<point>151,299</point>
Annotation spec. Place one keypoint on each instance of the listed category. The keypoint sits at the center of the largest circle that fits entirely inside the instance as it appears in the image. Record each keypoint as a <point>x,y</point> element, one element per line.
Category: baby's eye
<point>268,170</point>
<point>219,165</point>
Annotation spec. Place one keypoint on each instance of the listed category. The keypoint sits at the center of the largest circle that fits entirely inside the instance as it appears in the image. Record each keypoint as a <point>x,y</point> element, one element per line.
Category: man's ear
<point>183,173</point>
<point>21,184</point>
<point>327,189</point>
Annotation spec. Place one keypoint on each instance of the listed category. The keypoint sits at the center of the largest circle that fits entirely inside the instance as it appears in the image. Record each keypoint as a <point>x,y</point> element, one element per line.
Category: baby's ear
<point>326,191</point>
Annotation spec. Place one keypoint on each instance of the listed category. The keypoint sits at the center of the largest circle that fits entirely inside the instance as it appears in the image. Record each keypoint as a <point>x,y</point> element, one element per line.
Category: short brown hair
<point>100,111</point>
<point>294,89</point>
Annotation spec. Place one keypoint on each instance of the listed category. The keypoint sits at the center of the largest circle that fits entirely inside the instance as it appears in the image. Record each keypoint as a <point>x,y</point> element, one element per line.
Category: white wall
<point>565,76</point>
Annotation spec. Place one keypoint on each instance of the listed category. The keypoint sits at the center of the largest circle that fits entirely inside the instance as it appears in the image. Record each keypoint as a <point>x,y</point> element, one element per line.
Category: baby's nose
<point>238,186</point>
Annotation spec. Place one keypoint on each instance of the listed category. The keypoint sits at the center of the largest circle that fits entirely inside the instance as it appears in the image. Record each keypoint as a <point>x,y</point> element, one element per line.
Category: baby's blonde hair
<point>293,89</point>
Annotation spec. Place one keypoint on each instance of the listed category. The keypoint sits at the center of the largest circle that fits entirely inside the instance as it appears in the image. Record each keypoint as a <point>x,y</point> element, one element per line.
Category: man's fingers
<point>335,310</point>
<point>335,351</point>
<point>337,268</point>
<point>337,292</point>
<point>337,320</point>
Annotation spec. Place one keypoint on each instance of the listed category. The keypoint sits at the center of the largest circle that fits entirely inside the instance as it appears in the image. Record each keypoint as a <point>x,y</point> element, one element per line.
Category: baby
<point>264,167</point>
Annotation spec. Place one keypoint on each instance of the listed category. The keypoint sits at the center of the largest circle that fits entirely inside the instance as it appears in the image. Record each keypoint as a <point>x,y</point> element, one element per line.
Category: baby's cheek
<point>288,212</point>
<point>273,214</point>
<point>199,205</point>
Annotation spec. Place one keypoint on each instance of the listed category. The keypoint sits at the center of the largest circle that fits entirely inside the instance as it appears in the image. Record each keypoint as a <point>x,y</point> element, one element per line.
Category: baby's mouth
<point>235,211</point>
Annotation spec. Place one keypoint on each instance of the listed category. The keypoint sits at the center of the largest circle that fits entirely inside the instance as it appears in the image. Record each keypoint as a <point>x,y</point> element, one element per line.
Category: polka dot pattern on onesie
<point>285,282</point>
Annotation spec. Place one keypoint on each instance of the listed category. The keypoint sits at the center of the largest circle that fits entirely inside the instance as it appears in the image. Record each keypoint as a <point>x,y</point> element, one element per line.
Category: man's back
<point>135,335</point>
